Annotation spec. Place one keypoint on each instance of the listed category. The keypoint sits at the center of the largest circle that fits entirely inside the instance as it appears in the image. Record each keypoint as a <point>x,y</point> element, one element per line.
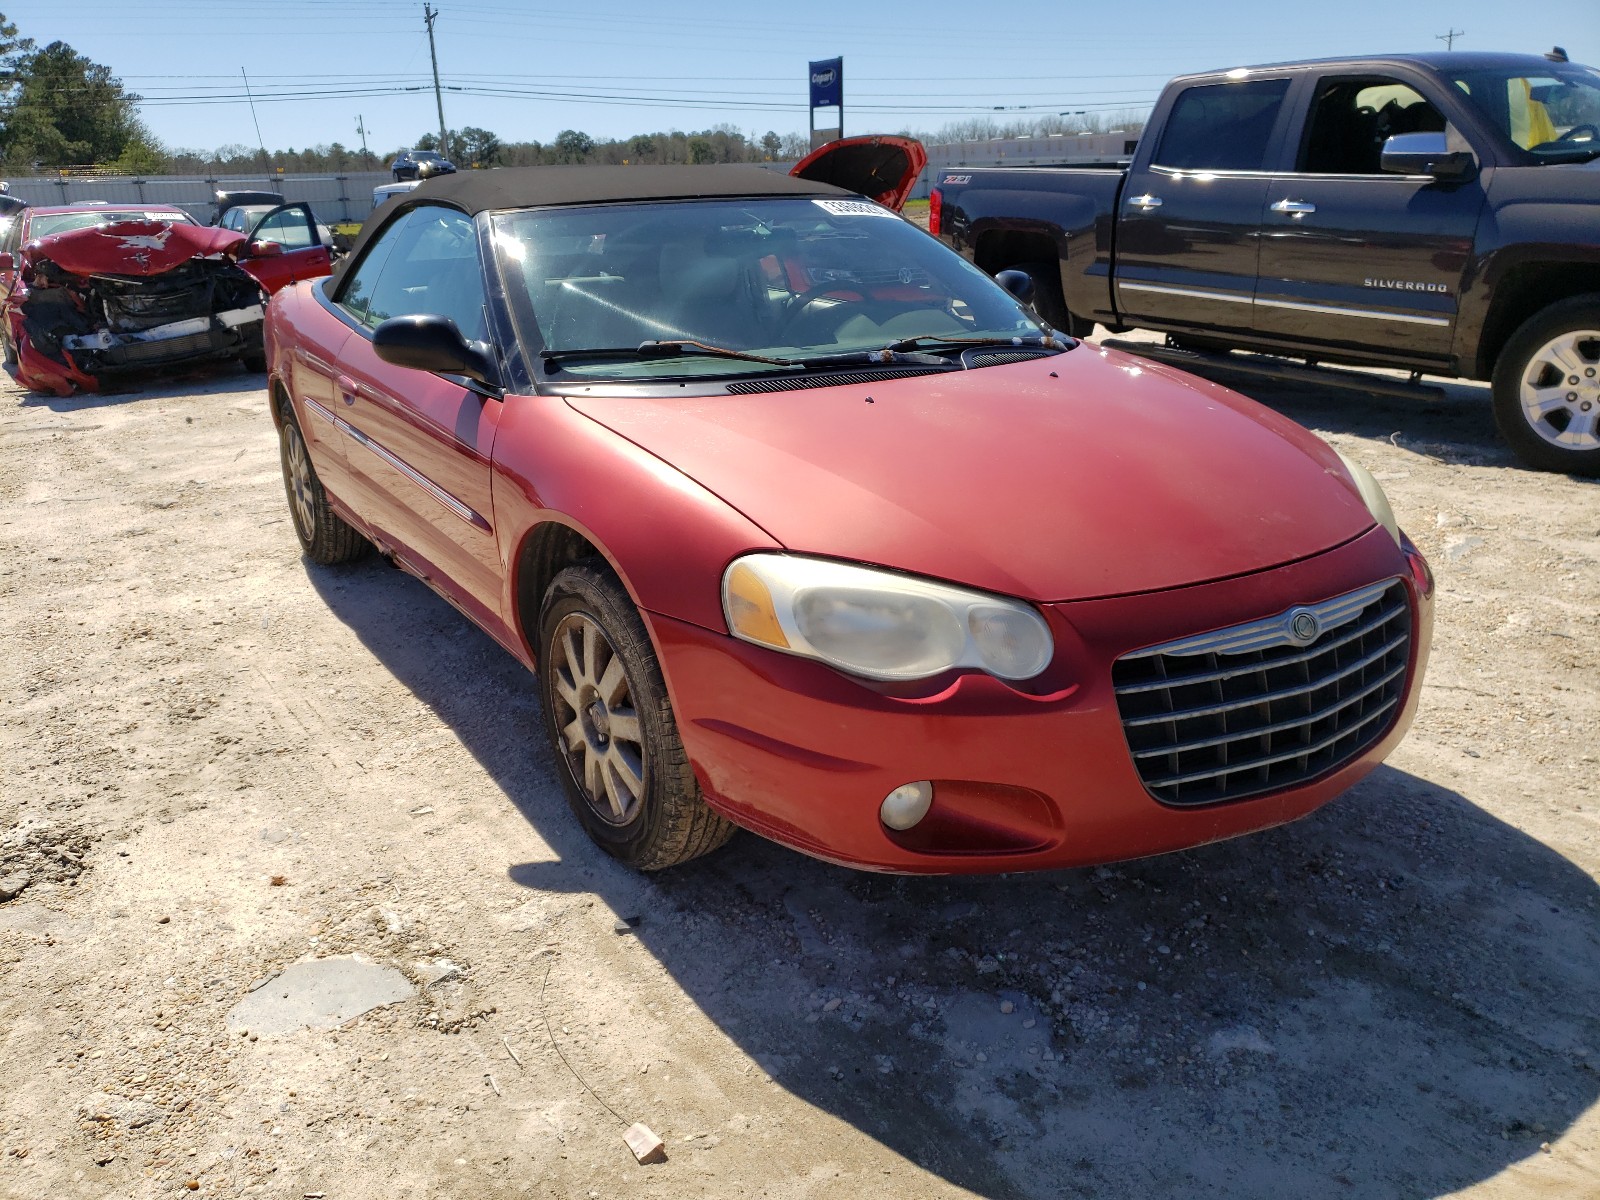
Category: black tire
<point>655,816</point>
<point>324,535</point>
<point>1526,365</point>
<point>1048,301</point>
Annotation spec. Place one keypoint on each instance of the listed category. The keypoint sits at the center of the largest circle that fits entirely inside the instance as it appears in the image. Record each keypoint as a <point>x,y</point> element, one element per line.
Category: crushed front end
<point>101,302</point>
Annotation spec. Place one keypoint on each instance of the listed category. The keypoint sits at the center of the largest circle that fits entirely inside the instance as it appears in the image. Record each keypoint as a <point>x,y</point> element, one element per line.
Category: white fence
<point>332,197</point>
<point>348,197</point>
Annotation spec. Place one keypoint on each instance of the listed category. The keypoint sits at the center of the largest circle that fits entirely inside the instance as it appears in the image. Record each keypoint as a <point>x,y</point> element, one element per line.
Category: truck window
<point>1352,118</point>
<point>1222,126</point>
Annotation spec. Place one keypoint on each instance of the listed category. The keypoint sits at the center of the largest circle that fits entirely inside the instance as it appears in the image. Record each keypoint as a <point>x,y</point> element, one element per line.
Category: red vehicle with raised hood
<point>809,526</point>
<point>91,292</point>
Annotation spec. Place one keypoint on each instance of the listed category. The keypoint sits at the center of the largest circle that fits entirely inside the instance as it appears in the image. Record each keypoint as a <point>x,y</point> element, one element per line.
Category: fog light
<point>906,805</point>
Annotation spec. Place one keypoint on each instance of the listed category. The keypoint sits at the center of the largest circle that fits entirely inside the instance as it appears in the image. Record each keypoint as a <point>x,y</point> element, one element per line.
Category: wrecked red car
<point>90,293</point>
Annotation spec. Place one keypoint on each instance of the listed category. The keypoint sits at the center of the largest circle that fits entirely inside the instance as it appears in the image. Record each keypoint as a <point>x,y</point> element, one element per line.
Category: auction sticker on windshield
<point>854,208</point>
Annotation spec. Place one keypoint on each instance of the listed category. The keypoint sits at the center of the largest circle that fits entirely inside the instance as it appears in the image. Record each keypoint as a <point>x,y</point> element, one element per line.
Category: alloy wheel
<point>1560,390</point>
<point>600,734</point>
<point>297,464</point>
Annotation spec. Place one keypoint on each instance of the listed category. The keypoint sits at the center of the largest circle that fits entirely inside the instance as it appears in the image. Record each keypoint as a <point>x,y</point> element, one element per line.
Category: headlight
<point>1372,495</point>
<point>879,624</point>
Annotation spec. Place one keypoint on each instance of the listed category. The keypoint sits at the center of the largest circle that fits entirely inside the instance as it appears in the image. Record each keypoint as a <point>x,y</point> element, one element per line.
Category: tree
<point>68,110</point>
<point>476,147</point>
<point>700,150</point>
<point>573,146</point>
<point>771,145</point>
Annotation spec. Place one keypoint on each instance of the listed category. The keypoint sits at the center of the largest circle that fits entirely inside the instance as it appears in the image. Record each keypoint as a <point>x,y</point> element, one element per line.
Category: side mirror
<point>1426,154</point>
<point>264,250</point>
<point>1018,283</point>
<point>7,261</point>
<point>433,343</point>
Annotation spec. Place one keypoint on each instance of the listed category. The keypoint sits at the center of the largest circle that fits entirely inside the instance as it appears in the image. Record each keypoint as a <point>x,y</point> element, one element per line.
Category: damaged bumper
<point>178,341</point>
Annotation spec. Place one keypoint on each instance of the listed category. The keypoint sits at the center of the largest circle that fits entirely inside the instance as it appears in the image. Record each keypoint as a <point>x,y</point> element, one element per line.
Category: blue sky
<point>617,67</point>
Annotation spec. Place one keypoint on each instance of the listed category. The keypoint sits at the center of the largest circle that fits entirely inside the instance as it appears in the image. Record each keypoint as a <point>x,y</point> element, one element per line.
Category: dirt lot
<point>220,762</point>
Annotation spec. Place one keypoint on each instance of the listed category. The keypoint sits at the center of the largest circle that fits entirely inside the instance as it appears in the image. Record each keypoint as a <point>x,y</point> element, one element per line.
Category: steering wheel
<point>810,306</point>
<point>1590,130</point>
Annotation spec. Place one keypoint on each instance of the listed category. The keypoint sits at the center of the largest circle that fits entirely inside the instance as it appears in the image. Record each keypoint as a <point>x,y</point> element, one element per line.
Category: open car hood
<point>137,248</point>
<point>884,168</point>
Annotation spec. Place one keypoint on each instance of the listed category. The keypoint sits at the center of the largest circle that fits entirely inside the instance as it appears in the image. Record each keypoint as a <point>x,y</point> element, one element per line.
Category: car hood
<point>139,248</point>
<point>1081,475</point>
<point>884,168</point>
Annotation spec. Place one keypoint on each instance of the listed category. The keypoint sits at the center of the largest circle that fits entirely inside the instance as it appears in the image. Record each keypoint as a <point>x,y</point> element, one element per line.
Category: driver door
<point>303,256</point>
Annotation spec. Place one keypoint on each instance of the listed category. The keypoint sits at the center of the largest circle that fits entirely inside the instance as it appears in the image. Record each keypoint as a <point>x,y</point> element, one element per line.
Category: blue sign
<point>827,83</point>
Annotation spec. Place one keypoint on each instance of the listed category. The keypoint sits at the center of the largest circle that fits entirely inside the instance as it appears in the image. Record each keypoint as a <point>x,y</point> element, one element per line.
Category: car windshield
<point>44,224</point>
<point>789,279</point>
<point>1553,113</point>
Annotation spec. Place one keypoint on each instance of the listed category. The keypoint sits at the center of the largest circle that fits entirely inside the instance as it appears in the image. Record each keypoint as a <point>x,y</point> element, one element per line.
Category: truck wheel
<point>1048,301</point>
<point>611,729</point>
<point>1547,388</point>
<point>324,535</point>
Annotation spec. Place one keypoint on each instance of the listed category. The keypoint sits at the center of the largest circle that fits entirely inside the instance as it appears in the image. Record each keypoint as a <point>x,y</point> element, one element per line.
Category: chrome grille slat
<point>1268,697</point>
<point>1247,710</point>
<point>1283,726</point>
<point>1179,680</point>
<point>1299,752</point>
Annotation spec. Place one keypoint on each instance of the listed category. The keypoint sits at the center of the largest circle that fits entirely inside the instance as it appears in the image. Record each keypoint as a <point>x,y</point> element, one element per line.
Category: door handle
<point>1146,201</point>
<point>1297,207</point>
<point>347,389</point>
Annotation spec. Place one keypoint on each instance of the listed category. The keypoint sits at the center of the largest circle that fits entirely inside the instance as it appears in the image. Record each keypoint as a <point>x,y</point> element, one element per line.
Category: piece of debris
<point>12,886</point>
<point>626,924</point>
<point>278,881</point>
<point>421,810</point>
<point>1007,1007</point>
<point>513,1054</point>
<point>493,1084</point>
<point>832,1005</point>
<point>646,1146</point>
<point>440,970</point>
<point>320,993</point>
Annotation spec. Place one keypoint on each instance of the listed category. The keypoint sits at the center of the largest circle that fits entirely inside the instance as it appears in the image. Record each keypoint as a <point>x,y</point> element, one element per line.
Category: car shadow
<point>219,379</point>
<point>1392,998</point>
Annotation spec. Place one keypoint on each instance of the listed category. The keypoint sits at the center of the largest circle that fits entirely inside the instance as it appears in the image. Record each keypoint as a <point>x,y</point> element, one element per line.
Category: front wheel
<point>1547,388</point>
<point>611,728</point>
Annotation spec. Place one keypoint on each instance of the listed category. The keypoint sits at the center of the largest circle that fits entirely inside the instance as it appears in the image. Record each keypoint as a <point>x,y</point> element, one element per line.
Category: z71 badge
<point>956,179</point>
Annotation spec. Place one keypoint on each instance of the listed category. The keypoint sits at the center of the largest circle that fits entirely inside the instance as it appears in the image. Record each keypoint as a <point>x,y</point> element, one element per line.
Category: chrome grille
<point>1257,708</point>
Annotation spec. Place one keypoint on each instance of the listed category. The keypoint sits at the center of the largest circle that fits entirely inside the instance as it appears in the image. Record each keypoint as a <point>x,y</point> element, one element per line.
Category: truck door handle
<point>1146,201</point>
<point>1294,206</point>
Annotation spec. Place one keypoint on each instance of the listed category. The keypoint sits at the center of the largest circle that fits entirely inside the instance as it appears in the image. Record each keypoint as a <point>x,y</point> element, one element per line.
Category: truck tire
<point>1048,301</point>
<point>611,727</point>
<point>1547,388</point>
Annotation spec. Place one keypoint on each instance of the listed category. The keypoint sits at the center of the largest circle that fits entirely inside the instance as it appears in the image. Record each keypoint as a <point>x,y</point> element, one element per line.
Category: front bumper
<point>1022,781</point>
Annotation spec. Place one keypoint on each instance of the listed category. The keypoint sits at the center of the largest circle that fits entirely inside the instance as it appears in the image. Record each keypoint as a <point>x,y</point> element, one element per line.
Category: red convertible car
<point>809,526</point>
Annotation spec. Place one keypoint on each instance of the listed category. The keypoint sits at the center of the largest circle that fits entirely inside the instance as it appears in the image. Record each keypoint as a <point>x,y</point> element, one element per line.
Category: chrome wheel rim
<point>1560,390</point>
<point>599,726</point>
<point>297,473</point>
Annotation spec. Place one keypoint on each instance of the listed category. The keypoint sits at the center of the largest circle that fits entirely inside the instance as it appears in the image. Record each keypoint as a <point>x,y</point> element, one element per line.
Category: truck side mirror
<point>1426,154</point>
<point>1018,283</point>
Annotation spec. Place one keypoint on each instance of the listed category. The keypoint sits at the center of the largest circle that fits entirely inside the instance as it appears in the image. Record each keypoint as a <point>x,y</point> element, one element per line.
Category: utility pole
<point>361,128</point>
<point>428,15</point>
<point>266,161</point>
<point>1449,39</point>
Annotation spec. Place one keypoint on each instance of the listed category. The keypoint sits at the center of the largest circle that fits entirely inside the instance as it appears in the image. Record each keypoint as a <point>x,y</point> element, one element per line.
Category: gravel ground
<point>221,762</point>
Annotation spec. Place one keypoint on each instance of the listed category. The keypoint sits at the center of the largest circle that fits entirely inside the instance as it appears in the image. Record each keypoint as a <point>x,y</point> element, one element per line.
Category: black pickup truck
<point>1438,213</point>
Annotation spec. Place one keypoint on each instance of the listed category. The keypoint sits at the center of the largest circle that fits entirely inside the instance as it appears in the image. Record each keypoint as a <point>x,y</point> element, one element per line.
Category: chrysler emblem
<point>1303,626</point>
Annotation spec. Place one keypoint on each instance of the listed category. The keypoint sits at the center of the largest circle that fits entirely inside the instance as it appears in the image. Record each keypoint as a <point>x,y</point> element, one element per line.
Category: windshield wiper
<point>672,349</point>
<point>1048,341</point>
<point>888,356</point>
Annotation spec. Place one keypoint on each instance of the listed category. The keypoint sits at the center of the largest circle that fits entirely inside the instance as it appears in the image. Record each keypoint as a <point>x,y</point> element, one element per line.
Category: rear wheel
<point>1547,388</point>
<point>611,727</point>
<point>324,535</point>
